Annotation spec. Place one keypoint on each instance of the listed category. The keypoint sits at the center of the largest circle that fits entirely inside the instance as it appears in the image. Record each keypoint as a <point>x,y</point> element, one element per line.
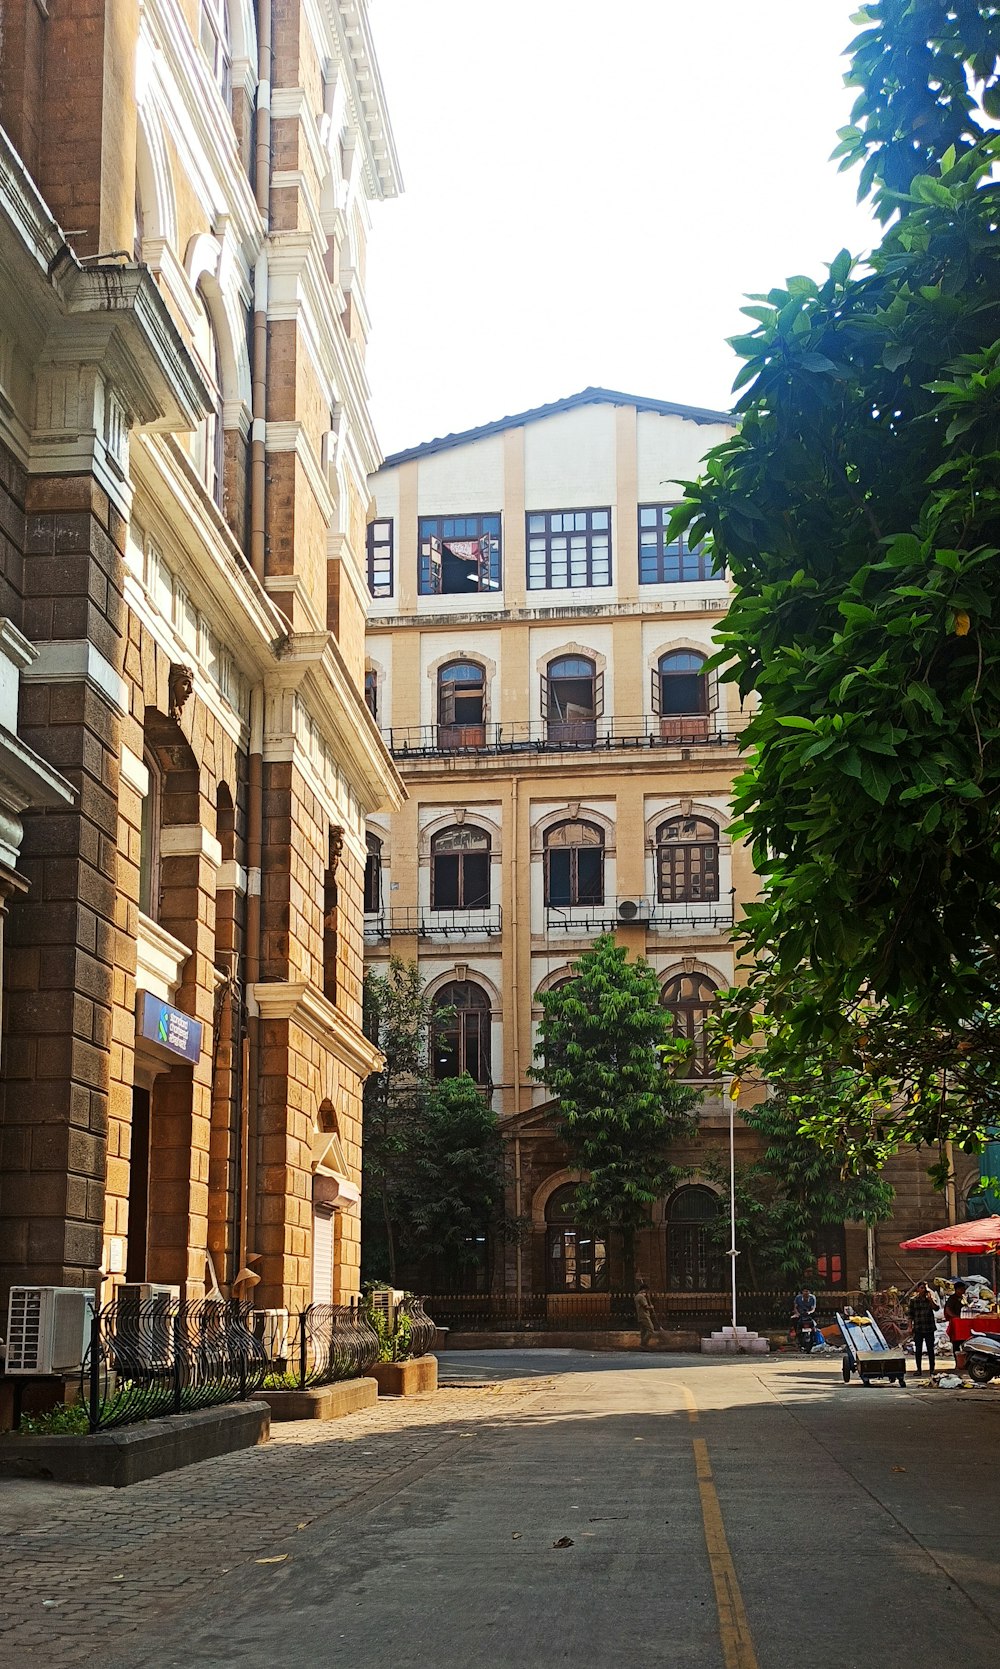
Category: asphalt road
<point>721,1516</point>
<point>547,1509</point>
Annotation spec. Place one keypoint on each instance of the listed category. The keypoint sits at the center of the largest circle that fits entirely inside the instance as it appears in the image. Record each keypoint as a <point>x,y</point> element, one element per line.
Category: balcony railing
<point>429,923</point>
<point>428,741</point>
<point>636,911</point>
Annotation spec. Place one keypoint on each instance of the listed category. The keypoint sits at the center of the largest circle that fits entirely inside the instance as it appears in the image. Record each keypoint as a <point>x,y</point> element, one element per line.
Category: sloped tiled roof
<point>586,397</point>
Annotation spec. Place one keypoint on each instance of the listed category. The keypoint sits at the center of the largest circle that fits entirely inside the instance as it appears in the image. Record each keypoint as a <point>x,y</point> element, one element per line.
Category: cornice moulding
<point>300,1003</point>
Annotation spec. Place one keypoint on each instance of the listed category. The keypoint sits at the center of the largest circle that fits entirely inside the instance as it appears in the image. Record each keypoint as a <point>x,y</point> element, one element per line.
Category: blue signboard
<point>171,1028</point>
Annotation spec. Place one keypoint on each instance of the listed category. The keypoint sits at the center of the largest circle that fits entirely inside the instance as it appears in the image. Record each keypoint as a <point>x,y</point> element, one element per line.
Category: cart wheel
<point>845,1368</point>
<point>865,1381</point>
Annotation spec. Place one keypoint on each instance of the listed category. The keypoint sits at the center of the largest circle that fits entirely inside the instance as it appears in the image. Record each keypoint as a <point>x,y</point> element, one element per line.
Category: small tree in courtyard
<point>397,1020</point>
<point>608,1055</point>
<point>456,1187</point>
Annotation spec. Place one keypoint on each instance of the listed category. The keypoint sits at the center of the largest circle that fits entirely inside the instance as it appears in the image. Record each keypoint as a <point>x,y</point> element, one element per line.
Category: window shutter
<point>656,690</point>
<point>712,691</point>
<point>322,1281</point>
<point>546,711</point>
<point>599,696</point>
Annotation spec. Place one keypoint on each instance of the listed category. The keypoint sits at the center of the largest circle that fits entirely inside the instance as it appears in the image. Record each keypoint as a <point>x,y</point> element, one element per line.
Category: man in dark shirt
<point>953,1311</point>
<point>923,1314</point>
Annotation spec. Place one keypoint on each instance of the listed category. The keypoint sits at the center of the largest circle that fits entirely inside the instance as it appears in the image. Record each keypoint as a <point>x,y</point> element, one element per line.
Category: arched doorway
<point>694,1259</point>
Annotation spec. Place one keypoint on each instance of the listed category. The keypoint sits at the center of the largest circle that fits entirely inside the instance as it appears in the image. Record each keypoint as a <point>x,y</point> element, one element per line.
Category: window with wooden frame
<point>460,1032</point>
<point>331,922</point>
<point>216,43</point>
<point>568,549</point>
<point>461,705</point>
<point>830,1249</point>
<point>459,555</point>
<point>666,561</point>
<point>378,539</point>
<point>373,875</point>
<point>574,865</point>
<point>209,439</point>
<point>687,861</point>
<point>694,1257</point>
<point>691,998</point>
<point>683,694</point>
<point>371,691</point>
<point>572,699</point>
<point>460,869</point>
<point>576,1256</point>
<point>150,812</point>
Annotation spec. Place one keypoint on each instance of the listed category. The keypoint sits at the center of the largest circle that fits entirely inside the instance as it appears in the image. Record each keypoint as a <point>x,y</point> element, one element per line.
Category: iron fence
<point>165,1355</point>
<point>323,1343</point>
<point>422,1328</point>
<point>615,1311</point>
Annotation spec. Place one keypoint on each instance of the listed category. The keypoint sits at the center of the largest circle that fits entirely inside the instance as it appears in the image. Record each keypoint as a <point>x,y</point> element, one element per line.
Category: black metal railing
<point>429,923</point>
<point>165,1355</point>
<point>646,911</point>
<point>699,1312</point>
<point>647,730</point>
<point>321,1344</point>
<point>422,1329</point>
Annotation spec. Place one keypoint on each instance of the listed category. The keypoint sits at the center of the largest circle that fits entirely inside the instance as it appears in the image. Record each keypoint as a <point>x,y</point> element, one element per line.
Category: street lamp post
<point>732,1096</point>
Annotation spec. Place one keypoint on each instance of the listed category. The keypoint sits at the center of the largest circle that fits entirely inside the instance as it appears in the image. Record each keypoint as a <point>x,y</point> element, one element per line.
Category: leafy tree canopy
<point>608,1055</point>
<point>858,509</point>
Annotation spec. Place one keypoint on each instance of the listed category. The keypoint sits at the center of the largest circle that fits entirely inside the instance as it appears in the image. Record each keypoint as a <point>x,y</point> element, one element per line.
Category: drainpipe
<point>515,1022</point>
<point>250,1099</point>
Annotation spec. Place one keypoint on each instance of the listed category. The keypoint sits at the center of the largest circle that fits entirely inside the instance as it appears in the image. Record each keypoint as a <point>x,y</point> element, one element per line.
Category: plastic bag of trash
<point>950,1382</point>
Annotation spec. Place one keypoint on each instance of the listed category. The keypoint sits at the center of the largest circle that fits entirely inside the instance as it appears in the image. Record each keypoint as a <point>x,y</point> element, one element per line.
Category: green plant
<point>858,511</point>
<point>608,1055</point>
<point>64,1420</point>
<point>394,1336</point>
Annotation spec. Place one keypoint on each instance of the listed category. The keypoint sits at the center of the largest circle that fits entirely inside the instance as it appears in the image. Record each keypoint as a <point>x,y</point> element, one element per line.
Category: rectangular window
<point>568,549</point>
<point>666,561</point>
<point>379,539</point>
<point>459,555</point>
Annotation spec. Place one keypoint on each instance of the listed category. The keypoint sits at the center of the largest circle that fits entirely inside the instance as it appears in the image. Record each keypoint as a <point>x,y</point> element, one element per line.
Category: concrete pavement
<point>720,1515</point>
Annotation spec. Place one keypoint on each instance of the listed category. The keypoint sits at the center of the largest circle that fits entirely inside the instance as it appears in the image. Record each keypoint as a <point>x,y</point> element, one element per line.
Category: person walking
<point>923,1314</point>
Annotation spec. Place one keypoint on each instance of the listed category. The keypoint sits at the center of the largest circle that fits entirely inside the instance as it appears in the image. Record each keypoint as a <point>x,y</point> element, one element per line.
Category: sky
<point>591,190</point>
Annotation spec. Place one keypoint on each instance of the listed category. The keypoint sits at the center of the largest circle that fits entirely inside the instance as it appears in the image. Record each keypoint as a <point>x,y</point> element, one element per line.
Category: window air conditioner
<point>632,909</point>
<point>48,1329</point>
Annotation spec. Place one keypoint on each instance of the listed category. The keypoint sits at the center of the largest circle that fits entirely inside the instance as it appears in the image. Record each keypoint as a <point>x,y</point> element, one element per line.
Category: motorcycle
<point>806,1332</point>
<point>982,1357</point>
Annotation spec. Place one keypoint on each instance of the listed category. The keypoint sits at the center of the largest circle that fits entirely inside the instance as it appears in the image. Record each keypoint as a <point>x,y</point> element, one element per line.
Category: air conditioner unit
<point>144,1325</point>
<point>271,1328</point>
<point>140,1292</point>
<point>386,1300</point>
<point>632,909</point>
<point>48,1329</point>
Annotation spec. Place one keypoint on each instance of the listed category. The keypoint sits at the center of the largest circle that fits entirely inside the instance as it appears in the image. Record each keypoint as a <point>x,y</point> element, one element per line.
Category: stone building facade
<point>188,761</point>
<point>536,652</point>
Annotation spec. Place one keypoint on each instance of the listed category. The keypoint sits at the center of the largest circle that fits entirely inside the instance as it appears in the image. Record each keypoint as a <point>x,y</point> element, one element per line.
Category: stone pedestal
<point>406,1379</point>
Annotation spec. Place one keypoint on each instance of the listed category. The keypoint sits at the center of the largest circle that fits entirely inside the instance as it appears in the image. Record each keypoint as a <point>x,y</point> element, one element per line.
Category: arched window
<point>216,44</point>
<point>572,699</point>
<point>460,1033</point>
<point>680,694</point>
<point>149,841</point>
<point>574,865</point>
<point>690,999</point>
<point>373,875</point>
<point>460,869</point>
<point>576,1258</point>
<point>830,1243</point>
<point>687,861</point>
<point>694,1259</point>
<point>208,445</point>
<point>461,705</point>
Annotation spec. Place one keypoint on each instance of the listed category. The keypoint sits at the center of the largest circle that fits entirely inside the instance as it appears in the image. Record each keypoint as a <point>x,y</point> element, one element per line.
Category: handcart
<point>866,1352</point>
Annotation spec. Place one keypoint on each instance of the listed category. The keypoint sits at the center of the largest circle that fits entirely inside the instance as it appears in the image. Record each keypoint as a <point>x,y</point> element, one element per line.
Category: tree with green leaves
<point>432,1156</point>
<point>794,1187</point>
<point>609,1057</point>
<point>858,511</point>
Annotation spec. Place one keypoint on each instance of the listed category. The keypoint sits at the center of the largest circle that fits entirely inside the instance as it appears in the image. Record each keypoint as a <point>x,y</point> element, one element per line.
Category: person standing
<point>953,1312</point>
<point>923,1314</point>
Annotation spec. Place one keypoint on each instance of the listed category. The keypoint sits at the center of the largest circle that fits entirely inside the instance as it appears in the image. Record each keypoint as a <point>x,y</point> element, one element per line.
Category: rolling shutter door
<point>322,1283</point>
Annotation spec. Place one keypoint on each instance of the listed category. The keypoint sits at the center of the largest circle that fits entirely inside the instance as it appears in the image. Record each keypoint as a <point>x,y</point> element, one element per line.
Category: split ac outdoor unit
<point>632,909</point>
<point>271,1328</point>
<point>144,1326</point>
<point>386,1300</point>
<point>141,1291</point>
<point>48,1329</point>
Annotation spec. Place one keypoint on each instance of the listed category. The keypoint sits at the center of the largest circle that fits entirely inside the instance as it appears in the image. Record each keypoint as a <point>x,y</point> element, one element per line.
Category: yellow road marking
<point>734,1630</point>
<point>690,1404</point>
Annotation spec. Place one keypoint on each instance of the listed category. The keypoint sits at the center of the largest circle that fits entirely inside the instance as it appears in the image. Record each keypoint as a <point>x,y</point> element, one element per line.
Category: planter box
<point>414,1378</point>
<point>130,1454</point>
<point>321,1402</point>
